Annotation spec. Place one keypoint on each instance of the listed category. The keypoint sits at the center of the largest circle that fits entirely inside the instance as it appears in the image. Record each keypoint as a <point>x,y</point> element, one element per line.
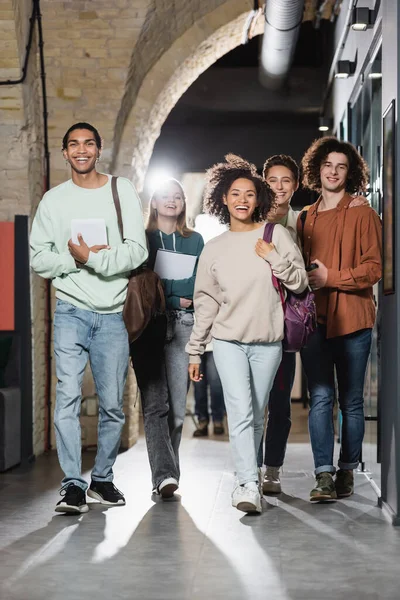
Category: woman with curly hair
<point>344,249</point>
<point>238,307</point>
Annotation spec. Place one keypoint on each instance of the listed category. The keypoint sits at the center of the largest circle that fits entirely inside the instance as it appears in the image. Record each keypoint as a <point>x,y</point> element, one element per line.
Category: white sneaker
<point>247,498</point>
<point>272,483</point>
<point>167,487</point>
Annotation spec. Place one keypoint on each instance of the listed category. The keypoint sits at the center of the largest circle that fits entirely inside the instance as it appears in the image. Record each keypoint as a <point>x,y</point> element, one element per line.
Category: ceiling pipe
<point>282,25</point>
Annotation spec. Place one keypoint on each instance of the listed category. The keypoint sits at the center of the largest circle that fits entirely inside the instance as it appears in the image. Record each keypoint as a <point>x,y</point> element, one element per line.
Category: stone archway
<point>209,38</point>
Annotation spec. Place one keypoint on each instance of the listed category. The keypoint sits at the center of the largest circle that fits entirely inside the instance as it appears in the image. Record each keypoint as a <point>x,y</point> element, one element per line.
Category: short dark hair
<point>88,126</point>
<point>281,160</point>
<point>220,178</point>
<point>357,177</point>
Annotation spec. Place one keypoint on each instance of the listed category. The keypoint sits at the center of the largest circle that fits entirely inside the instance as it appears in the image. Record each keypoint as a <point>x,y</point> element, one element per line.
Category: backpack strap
<point>303,217</point>
<point>267,237</point>
<point>117,204</point>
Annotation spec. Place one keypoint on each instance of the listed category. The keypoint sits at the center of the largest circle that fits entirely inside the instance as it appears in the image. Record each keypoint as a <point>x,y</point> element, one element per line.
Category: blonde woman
<point>159,356</point>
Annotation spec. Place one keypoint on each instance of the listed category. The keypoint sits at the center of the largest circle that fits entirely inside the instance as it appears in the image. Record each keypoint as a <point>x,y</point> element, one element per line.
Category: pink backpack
<point>299,310</point>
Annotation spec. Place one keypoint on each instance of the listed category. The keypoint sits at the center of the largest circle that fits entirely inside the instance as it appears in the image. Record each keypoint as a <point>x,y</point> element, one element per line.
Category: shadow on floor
<point>160,559</point>
<point>337,550</point>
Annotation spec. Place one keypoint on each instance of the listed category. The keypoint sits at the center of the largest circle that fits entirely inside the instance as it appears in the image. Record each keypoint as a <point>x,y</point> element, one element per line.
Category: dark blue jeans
<point>348,354</point>
<point>210,379</point>
<point>279,422</point>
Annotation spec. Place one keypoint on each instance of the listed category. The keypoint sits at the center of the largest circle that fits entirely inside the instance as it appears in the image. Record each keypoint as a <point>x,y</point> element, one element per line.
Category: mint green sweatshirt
<point>100,285</point>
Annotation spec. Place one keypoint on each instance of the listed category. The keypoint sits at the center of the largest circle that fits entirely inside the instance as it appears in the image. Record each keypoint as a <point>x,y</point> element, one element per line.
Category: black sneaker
<point>202,429</point>
<point>106,493</point>
<point>73,501</point>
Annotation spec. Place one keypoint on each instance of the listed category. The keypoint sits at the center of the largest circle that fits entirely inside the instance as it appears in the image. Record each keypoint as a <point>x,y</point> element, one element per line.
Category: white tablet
<point>94,231</point>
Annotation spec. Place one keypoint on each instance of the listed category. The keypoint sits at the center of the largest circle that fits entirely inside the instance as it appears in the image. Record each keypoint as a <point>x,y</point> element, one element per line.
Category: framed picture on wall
<point>388,207</point>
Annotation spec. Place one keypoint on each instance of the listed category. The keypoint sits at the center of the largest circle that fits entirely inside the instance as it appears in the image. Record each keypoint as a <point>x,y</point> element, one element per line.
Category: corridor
<point>197,546</point>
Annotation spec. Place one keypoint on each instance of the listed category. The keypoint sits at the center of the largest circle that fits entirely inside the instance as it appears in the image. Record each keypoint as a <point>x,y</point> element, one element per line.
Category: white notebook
<point>174,265</point>
<point>94,231</point>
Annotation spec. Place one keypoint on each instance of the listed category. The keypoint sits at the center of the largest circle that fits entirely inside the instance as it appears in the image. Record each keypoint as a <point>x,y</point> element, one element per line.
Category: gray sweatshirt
<point>234,297</point>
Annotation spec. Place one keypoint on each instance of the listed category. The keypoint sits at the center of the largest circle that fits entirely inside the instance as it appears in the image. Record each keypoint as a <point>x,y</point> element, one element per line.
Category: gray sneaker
<point>324,488</point>
<point>272,482</point>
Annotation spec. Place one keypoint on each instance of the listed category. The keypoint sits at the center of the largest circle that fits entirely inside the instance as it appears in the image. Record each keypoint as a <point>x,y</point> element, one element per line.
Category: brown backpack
<point>145,295</point>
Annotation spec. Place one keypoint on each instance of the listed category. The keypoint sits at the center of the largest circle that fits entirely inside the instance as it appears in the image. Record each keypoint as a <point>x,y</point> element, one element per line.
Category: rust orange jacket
<point>356,244</point>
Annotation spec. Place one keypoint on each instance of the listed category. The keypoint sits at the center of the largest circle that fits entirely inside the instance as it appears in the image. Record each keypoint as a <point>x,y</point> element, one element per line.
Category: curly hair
<point>281,160</point>
<point>219,179</point>
<point>357,177</point>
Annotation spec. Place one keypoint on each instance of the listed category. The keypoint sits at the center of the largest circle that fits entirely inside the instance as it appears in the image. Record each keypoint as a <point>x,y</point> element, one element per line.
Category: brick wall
<point>119,64</point>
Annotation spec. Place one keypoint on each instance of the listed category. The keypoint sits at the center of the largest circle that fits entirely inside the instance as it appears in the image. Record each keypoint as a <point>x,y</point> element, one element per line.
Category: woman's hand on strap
<point>264,248</point>
<point>194,372</point>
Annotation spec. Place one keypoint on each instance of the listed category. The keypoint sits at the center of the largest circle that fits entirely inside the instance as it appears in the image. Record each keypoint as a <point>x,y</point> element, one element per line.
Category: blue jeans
<point>247,372</point>
<point>79,336</point>
<point>348,354</point>
<point>210,379</point>
<point>279,409</point>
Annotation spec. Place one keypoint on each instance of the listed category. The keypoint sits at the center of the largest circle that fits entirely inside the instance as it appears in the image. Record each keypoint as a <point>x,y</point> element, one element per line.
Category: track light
<point>325,124</point>
<point>362,19</point>
<point>344,69</point>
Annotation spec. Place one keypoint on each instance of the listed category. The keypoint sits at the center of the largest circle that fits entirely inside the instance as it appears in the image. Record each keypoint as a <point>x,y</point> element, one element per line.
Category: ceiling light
<point>325,124</point>
<point>362,19</point>
<point>344,69</point>
<point>156,177</point>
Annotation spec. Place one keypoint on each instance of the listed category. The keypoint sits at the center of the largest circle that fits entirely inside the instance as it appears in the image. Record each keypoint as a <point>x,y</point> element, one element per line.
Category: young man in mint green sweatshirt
<point>91,284</point>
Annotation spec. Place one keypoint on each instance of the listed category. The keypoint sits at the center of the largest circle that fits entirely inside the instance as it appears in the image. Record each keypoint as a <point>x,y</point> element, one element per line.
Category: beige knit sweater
<point>234,298</point>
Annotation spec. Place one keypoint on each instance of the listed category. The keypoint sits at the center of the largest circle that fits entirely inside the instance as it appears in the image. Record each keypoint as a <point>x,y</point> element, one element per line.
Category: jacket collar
<point>343,204</point>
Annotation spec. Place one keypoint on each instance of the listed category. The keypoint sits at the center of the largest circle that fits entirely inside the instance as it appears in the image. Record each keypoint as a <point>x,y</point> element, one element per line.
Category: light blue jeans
<point>247,372</point>
<point>79,336</point>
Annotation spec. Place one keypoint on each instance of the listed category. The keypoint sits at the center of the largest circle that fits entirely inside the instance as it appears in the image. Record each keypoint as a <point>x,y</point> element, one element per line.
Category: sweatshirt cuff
<point>333,277</point>
<point>276,261</point>
<point>93,260</point>
<point>194,359</point>
<point>70,263</point>
<point>173,302</point>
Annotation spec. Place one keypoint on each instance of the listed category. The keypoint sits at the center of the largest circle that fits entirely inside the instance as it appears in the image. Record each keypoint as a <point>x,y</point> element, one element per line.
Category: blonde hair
<point>152,220</point>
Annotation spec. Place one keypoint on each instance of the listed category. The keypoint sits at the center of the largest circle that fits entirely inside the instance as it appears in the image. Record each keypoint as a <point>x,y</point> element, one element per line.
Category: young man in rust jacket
<point>344,248</point>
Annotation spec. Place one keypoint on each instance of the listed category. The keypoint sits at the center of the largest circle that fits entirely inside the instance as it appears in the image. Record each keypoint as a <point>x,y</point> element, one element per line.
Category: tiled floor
<point>197,546</point>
